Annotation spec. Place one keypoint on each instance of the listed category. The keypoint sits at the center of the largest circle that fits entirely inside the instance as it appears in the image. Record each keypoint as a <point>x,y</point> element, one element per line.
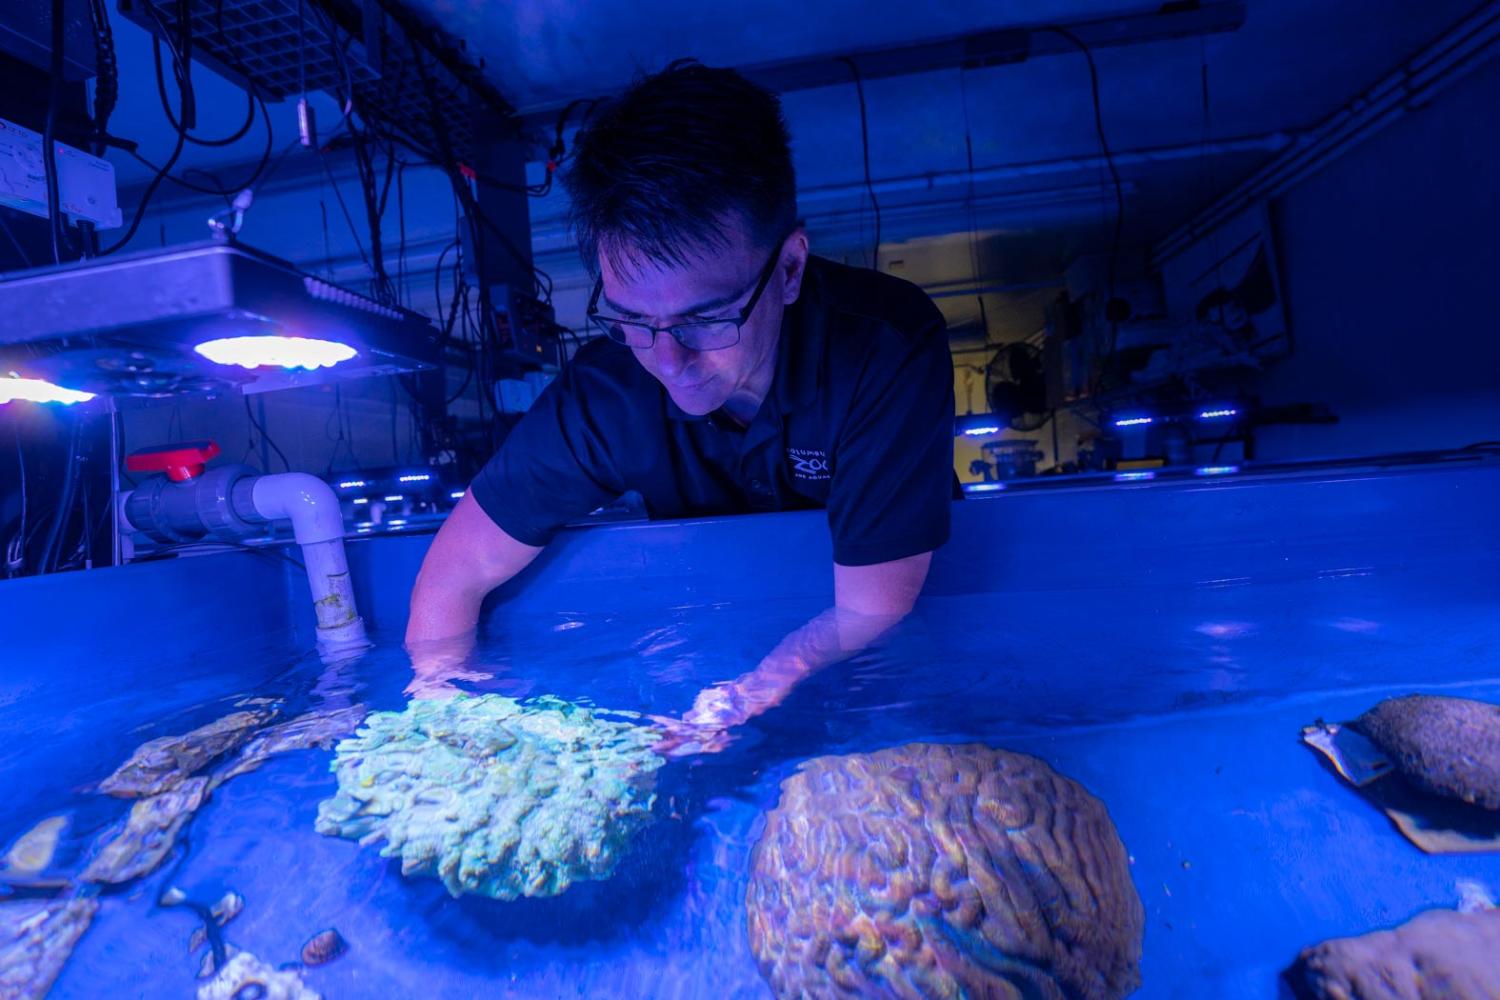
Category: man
<point>736,374</point>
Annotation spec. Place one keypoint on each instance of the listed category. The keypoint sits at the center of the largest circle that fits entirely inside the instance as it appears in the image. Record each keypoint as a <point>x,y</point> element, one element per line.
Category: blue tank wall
<point>117,624</point>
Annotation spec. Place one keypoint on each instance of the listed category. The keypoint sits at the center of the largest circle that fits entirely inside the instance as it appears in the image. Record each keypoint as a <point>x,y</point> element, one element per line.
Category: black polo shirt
<point>859,420</point>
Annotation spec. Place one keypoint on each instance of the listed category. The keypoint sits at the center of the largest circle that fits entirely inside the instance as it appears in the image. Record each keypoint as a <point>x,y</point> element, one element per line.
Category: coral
<point>36,939</point>
<point>164,763</point>
<point>148,834</point>
<point>1438,955</point>
<point>244,971</point>
<point>492,796</point>
<point>319,728</point>
<point>942,871</point>
<point>1448,746</point>
<point>323,947</point>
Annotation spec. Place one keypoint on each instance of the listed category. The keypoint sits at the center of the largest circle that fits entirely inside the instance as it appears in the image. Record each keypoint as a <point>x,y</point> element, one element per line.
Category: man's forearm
<point>469,557</point>
<point>870,601</point>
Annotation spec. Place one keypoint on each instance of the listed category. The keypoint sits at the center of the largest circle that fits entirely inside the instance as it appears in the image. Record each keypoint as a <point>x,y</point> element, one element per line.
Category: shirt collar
<point>799,352</point>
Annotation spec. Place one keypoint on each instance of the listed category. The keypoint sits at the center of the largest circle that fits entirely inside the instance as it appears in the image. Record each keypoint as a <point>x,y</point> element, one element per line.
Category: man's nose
<point>672,359</point>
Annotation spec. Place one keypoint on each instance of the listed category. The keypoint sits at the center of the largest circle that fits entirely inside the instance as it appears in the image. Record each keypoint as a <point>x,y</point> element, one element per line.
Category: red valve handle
<point>180,462</point>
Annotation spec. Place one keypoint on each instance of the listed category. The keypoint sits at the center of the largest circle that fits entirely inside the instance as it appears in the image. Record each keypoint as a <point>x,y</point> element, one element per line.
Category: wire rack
<point>398,75</point>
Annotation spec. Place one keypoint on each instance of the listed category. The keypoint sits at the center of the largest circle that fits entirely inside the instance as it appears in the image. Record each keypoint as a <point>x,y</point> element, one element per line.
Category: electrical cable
<point>266,437</point>
<point>20,250</point>
<point>65,501</point>
<point>161,93</point>
<point>1109,160</point>
<point>49,146</point>
<point>864,135</point>
<point>17,559</point>
<point>107,78</point>
<point>349,219</point>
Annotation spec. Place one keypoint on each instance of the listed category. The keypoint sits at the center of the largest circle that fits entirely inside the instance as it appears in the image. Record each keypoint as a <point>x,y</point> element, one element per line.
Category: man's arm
<point>868,602</point>
<point>470,557</point>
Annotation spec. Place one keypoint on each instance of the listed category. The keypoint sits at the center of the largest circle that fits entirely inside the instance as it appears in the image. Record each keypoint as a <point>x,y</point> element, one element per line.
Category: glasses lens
<point>707,336</point>
<point>629,334</point>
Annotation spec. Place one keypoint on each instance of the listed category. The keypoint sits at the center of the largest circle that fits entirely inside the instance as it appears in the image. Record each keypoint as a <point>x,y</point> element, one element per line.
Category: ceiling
<point>1212,108</point>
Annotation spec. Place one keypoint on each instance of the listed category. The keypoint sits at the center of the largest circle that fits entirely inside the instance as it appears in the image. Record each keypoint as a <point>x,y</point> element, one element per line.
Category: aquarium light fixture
<point>272,351</point>
<point>985,487</point>
<point>456,495</point>
<point>1222,413</point>
<point>1134,477</point>
<point>395,498</point>
<point>35,390</point>
<point>1217,470</point>
<point>415,477</point>
<point>977,425</point>
<point>1134,421</point>
<point>352,484</point>
<point>395,522</point>
<point>361,499</point>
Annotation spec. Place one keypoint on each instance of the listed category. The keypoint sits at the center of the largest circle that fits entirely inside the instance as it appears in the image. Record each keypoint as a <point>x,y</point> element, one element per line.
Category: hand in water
<point>705,727</point>
<point>437,663</point>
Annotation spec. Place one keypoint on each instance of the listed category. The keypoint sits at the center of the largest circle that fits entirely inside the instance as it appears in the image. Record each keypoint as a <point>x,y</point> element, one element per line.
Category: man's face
<point>715,285</point>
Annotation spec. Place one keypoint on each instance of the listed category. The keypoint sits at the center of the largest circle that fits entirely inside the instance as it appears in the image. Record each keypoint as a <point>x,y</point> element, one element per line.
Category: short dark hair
<point>656,172</point>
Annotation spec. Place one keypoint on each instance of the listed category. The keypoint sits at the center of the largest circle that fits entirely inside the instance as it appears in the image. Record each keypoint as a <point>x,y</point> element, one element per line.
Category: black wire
<point>349,219</point>
<point>65,502</point>
<point>49,148</point>
<point>107,80</point>
<point>1114,174</point>
<point>21,250</point>
<point>864,135</point>
<point>140,209</point>
<point>166,106</point>
<point>226,191</point>
<point>266,437</point>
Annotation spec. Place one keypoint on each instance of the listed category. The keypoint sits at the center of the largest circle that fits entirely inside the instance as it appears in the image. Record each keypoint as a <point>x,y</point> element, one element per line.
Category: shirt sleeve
<point>892,486</point>
<point>553,468</point>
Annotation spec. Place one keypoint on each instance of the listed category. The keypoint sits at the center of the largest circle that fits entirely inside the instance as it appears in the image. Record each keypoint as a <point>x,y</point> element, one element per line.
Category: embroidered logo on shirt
<point>809,463</point>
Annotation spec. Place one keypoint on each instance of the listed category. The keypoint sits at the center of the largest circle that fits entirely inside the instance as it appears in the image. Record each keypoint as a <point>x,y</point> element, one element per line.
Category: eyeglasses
<point>699,335</point>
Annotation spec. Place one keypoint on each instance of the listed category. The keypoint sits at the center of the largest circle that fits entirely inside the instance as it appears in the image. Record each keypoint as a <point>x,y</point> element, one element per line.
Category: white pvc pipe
<point>318,526</point>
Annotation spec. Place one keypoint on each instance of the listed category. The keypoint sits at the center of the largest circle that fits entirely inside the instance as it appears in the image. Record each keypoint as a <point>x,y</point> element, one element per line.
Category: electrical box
<point>85,184</point>
<point>527,325</point>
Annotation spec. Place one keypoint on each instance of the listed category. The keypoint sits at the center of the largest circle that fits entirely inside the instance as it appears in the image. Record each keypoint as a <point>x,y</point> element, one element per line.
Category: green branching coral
<point>494,797</point>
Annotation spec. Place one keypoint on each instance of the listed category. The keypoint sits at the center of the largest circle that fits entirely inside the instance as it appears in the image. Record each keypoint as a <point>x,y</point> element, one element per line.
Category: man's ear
<point>794,264</point>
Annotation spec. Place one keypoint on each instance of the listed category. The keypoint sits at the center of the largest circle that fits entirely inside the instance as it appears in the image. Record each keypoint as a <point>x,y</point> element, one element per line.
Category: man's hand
<point>870,600</point>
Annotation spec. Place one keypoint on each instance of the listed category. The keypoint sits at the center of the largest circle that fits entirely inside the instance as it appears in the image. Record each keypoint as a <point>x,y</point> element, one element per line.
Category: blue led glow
<point>35,390</point>
<point>981,431</point>
<point>395,498</point>
<point>275,352</point>
<point>1133,477</point>
<point>1217,470</point>
<point>1218,414</point>
<point>416,477</point>
<point>457,495</point>
<point>1134,421</point>
<point>984,487</point>
<point>361,499</point>
<point>350,484</point>
<point>395,522</point>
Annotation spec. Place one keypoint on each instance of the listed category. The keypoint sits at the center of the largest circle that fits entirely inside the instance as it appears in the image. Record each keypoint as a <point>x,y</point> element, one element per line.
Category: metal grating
<point>286,47</point>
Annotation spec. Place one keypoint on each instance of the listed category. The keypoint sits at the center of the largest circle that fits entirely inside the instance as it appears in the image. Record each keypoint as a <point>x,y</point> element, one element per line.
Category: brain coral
<point>942,871</point>
<point>492,796</point>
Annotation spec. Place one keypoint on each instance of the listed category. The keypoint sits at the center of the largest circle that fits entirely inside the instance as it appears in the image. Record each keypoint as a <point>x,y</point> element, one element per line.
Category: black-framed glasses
<point>698,335</point>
